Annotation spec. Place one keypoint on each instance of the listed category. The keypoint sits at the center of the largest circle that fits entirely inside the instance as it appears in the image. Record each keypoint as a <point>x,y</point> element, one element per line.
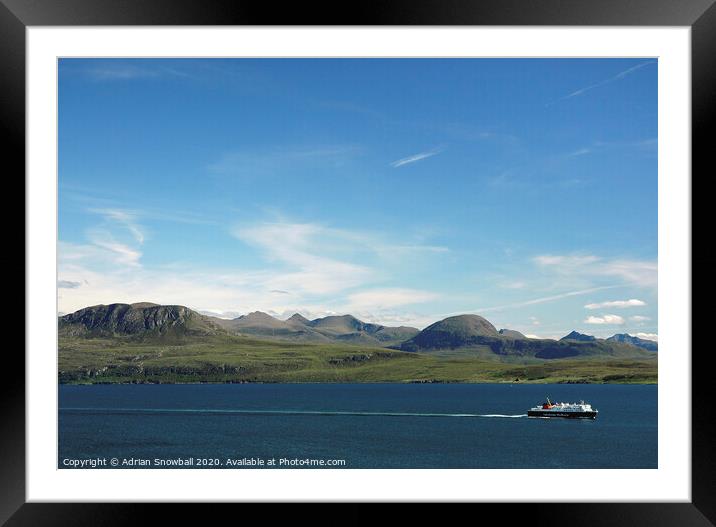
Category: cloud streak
<point>542,300</point>
<point>122,71</point>
<point>124,218</point>
<point>415,158</point>
<point>618,76</point>
<point>272,161</point>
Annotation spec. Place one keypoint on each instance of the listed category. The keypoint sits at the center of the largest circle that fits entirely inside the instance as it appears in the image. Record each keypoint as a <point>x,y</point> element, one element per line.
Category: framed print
<point>432,253</point>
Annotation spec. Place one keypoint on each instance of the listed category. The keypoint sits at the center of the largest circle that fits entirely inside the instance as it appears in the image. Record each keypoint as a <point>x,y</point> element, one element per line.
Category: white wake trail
<point>231,411</point>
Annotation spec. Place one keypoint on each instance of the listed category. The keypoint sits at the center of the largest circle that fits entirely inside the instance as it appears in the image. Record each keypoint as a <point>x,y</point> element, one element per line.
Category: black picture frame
<point>699,15</point>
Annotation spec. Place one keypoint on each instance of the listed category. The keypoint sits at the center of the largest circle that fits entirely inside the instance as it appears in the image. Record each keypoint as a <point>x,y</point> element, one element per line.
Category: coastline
<point>566,381</point>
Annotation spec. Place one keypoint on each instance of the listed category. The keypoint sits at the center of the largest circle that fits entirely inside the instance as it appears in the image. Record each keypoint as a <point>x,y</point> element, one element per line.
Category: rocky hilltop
<point>453,332</point>
<point>140,319</point>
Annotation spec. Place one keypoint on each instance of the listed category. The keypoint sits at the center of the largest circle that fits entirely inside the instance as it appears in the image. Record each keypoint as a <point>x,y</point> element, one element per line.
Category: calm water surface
<point>367,425</point>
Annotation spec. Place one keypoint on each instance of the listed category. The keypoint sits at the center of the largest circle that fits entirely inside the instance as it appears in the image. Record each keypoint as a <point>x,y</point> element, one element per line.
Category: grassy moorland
<point>230,358</point>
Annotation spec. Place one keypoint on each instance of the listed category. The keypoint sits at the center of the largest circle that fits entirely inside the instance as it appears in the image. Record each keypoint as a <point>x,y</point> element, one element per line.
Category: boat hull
<point>563,415</point>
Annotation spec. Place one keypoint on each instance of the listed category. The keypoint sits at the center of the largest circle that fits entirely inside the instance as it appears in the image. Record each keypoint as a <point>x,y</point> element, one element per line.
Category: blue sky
<point>399,190</point>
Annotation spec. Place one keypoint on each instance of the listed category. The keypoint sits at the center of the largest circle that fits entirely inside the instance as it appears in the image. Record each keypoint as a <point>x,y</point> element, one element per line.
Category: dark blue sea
<point>243,426</point>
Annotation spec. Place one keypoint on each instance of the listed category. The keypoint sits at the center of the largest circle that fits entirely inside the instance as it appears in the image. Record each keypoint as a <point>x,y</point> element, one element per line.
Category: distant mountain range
<point>474,331</point>
<point>148,321</point>
<point>345,328</point>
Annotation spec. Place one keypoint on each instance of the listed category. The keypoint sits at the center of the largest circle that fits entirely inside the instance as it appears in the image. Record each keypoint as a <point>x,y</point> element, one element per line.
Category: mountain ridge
<point>469,331</point>
<point>648,345</point>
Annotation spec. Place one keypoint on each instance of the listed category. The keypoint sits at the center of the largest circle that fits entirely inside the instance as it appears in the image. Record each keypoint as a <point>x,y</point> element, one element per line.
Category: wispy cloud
<point>123,254</point>
<point>633,302</point>
<point>307,257</point>
<point>275,161</point>
<point>108,205</point>
<point>123,71</point>
<point>296,267</point>
<point>604,82</point>
<point>642,273</point>
<point>113,243</point>
<point>316,259</point>
<point>541,300</point>
<point>384,299</point>
<point>579,152</point>
<point>648,336</point>
<point>605,320</point>
<point>126,219</point>
<point>415,158</point>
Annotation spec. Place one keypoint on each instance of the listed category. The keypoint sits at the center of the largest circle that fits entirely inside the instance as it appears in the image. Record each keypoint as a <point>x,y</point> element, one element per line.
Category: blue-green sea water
<point>243,426</point>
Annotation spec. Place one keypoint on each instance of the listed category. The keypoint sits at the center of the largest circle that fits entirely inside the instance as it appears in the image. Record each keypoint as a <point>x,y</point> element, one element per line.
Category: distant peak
<point>297,317</point>
<point>575,335</point>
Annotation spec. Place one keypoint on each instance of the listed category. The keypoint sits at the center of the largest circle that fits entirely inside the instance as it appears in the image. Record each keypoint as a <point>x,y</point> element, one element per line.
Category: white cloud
<point>307,256</point>
<point>383,299</point>
<point>301,267</point>
<point>123,254</point>
<point>641,273</point>
<point>639,318</point>
<point>101,253</point>
<point>633,302</point>
<point>313,258</point>
<point>648,336</point>
<point>103,249</point>
<point>604,319</point>
<point>532,336</point>
<point>414,158</point>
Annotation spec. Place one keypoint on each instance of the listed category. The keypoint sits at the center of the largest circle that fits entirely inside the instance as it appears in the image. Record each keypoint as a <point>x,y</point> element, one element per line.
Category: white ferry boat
<point>580,410</point>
